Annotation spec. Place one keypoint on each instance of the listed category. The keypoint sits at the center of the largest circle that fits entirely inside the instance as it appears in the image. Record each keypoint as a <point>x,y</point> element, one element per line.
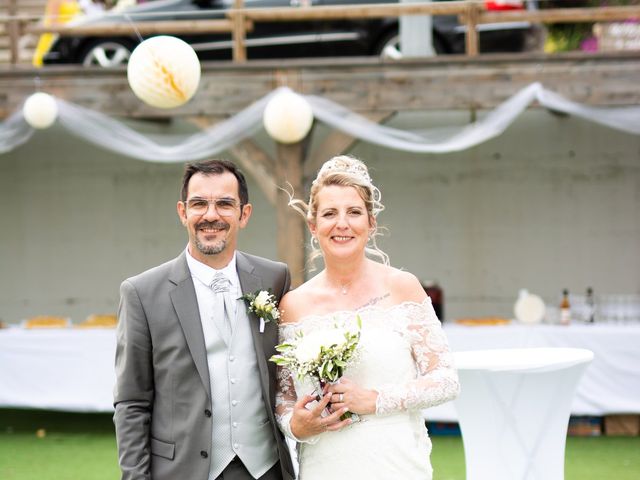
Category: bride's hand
<point>346,394</point>
<point>307,423</point>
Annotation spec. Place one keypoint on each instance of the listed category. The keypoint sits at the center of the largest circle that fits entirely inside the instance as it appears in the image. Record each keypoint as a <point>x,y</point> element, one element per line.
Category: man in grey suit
<point>195,392</point>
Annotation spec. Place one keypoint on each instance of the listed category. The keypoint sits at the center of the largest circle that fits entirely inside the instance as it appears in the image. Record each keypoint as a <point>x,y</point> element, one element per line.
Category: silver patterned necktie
<point>224,307</point>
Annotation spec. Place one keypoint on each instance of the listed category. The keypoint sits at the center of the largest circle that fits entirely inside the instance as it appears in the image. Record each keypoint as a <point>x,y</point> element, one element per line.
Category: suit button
<point>207,413</point>
<point>203,454</point>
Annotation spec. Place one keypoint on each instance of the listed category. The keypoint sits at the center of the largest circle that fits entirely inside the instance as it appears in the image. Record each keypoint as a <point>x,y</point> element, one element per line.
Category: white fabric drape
<point>114,135</point>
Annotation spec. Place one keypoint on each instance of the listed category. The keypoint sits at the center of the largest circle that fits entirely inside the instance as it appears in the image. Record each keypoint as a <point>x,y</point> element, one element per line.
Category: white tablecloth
<point>58,369</point>
<point>71,369</point>
<point>610,385</point>
<point>514,408</point>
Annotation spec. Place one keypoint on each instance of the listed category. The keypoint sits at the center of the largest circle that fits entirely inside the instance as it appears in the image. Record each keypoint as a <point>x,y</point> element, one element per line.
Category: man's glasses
<point>225,207</point>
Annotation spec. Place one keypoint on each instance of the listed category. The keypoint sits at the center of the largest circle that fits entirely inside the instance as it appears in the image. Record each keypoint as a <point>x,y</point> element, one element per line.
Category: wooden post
<point>471,20</point>
<point>239,33</point>
<point>13,29</point>
<point>291,225</point>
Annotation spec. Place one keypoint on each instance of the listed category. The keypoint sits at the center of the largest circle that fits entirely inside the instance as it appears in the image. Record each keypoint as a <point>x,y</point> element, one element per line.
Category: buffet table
<point>58,369</point>
<point>73,369</point>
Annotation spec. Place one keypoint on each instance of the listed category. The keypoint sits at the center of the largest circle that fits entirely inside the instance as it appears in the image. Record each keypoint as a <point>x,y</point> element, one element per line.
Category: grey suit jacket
<point>162,396</point>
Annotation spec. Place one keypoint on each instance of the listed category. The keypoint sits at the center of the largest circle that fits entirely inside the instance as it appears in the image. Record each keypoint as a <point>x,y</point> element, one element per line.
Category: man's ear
<point>245,214</point>
<point>182,213</point>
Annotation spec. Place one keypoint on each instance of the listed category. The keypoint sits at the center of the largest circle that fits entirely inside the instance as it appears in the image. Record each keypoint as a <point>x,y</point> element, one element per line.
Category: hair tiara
<point>345,164</point>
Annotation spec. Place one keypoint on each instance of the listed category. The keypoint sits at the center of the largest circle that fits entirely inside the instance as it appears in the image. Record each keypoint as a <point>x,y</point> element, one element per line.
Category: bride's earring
<point>314,242</point>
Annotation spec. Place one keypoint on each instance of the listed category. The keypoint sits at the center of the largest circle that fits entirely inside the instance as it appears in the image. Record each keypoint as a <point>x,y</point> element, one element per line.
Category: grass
<point>75,446</point>
<point>43,445</point>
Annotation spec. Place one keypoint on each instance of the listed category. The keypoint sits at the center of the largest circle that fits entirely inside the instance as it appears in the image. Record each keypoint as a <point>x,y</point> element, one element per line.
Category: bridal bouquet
<point>321,355</point>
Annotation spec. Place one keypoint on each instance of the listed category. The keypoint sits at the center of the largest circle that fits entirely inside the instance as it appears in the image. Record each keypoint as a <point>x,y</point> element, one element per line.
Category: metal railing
<point>239,20</point>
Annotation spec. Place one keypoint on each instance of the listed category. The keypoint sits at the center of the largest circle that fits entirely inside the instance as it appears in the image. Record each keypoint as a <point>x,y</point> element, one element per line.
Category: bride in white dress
<point>404,363</point>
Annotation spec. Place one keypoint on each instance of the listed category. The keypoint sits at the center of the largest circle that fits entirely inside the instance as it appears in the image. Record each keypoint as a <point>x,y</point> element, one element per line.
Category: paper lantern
<point>40,110</point>
<point>164,72</point>
<point>288,117</point>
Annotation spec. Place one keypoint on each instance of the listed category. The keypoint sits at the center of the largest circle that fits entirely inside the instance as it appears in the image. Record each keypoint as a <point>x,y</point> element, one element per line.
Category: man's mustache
<point>217,225</point>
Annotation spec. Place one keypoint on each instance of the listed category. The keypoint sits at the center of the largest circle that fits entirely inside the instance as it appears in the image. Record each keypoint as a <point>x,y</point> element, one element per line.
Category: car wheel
<point>107,54</point>
<point>389,46</point>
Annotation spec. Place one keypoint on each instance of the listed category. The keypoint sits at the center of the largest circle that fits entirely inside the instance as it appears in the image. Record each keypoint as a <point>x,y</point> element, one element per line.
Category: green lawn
<point>82,447</point>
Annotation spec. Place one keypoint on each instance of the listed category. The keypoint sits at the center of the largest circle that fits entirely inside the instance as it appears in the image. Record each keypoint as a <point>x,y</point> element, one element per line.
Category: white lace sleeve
<point>286,398</point>
<point>437,379</point>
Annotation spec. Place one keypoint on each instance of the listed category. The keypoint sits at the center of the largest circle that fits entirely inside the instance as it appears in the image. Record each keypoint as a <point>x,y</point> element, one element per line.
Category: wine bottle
<point>565,308</point>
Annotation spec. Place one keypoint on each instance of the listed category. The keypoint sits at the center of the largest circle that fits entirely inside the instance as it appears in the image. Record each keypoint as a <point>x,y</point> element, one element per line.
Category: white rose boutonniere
<point>264,304</point>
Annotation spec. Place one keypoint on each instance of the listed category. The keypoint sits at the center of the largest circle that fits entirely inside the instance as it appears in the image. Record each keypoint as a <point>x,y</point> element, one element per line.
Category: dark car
<point>315,38</point>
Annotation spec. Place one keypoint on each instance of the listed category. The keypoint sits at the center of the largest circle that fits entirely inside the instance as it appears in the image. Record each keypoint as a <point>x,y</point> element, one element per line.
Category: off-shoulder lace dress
<point>404,356</point>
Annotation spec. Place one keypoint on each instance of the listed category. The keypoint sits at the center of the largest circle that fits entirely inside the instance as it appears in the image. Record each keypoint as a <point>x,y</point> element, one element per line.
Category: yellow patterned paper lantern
<point>288,117</point>
<point>164,72</point>
<point>40,110</point>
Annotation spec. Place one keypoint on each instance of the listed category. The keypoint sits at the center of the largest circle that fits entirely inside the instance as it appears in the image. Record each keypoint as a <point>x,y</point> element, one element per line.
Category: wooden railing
<point>240,20</point>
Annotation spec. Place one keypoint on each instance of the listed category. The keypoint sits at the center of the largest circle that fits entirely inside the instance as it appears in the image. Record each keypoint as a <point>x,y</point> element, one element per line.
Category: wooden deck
<point>364,85</point>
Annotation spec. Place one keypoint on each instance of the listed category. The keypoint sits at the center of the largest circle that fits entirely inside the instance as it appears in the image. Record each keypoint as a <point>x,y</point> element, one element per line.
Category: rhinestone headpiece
<point>347,165</point>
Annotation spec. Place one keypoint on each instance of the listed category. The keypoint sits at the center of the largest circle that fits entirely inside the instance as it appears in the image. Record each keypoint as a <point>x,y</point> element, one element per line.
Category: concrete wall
<point>553,203</point>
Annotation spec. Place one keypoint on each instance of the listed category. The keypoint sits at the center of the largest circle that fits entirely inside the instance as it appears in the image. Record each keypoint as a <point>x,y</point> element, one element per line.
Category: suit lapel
<point>262,342</point>
<point>185,303</point>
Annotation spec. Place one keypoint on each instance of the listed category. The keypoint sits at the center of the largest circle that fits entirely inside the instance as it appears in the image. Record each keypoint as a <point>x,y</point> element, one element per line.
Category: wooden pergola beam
<point>361,85</point>
<point>257,163</point>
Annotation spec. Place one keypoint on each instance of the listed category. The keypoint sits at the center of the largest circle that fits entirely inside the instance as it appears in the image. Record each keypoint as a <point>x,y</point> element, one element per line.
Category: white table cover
<point>611,384</point>
<point>514,409</point>
<point>58,369</point>
<point>69,369</point>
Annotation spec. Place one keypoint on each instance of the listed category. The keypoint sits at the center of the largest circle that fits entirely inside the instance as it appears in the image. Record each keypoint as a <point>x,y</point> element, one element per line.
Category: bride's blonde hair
<point>344,171</point>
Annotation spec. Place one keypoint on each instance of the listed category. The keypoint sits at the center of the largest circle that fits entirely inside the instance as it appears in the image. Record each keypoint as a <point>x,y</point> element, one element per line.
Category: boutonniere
<point>264,304</point>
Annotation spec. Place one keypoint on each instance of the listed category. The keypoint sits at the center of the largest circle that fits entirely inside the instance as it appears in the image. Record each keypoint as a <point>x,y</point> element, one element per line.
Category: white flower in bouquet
<point>310,346</point>
<point>321,355</point>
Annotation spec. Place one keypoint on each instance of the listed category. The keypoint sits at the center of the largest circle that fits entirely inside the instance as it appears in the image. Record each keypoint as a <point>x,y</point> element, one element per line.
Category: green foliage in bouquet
<point>322,355</point>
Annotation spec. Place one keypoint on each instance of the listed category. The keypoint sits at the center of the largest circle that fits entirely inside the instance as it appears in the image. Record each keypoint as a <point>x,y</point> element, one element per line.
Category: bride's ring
<point>340,397</point>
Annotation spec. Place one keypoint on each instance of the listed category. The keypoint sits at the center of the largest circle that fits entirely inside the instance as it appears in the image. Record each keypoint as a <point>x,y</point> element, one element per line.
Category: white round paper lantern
<point>40,110</point>
<point>164,72</point>
<point>288,117</point>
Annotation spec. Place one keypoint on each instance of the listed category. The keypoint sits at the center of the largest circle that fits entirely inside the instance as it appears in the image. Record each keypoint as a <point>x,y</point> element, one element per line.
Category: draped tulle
<point>405,357</point>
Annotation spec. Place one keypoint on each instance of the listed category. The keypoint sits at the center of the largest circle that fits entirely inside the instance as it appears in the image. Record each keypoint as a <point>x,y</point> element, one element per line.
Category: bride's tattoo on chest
<point>375,300</point>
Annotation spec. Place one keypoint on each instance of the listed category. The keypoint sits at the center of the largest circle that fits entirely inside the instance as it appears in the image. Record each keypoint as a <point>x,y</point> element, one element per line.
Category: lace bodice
<point>404,356</point>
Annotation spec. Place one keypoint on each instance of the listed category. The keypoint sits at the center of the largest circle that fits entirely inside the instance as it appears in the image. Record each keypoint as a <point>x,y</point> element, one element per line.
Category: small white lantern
<point>164,72</point>
<point>40,110</point>
<point>288,117</point>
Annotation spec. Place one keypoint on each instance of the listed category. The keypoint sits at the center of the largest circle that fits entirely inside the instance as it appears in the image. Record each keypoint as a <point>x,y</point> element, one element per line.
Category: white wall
<point>552,203</point>
<point>78,220</point>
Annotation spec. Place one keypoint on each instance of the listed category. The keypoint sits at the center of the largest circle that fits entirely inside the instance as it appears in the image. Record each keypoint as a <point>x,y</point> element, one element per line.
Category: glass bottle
<point>590,308</point>
<point>565,308</point>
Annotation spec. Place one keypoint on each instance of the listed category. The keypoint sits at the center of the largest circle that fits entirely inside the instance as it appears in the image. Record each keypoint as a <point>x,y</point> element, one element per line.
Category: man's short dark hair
<point>214,167</point>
